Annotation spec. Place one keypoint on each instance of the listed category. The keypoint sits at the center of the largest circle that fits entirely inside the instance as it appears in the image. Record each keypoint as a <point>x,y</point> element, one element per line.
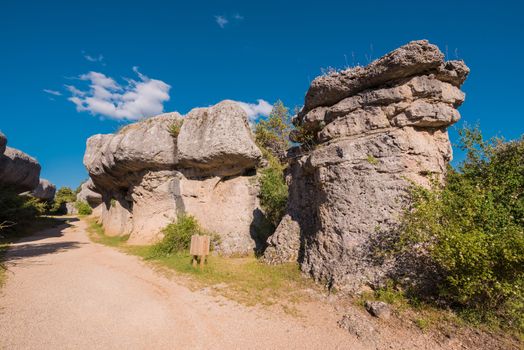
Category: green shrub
<point>273,189</point>
<point>472,229</point>
<point>63,195</point>
<point>83,208</point>
<point>174,129</point>
<point>272,133</point>
<point>16,210</point>
<point>177,236</point>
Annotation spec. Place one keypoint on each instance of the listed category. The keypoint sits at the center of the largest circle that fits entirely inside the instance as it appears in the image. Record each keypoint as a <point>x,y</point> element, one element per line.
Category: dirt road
<point>65,292</point>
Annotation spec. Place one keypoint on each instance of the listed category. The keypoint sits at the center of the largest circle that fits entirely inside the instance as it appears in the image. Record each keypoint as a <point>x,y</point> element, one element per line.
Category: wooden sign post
<point>199,249</point>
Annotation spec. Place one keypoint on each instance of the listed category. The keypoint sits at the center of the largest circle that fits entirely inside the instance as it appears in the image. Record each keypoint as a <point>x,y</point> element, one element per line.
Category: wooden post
<point>199,249</point>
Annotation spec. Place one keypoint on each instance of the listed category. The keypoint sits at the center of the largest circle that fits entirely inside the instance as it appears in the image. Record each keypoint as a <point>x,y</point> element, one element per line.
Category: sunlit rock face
<point>375,129</point>
<point>147,176</point>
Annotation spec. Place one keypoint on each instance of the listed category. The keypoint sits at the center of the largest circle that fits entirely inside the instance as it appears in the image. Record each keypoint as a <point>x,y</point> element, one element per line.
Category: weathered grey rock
<point>87,194</point>
<point>378,309</point>
<point>3,143</point>
<point>217,141</point>
<point>415,58</point>
<point>71,208</point>
<point>204,172</point>
<point>45,190</point>
<point>18,171</point>
<point>112,159</point>
<point>378,129</point>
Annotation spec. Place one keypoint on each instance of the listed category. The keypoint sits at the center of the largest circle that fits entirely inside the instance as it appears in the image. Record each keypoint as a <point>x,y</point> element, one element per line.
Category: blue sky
<point>207,51</point>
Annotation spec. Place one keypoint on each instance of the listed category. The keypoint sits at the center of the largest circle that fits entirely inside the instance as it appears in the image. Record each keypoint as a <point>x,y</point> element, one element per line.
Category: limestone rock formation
<point>18,171</point>
<point>45,190</point>
<point>375,130</point>
<point>3,143</point>
<point>210,143</point>
<point>147,177</point>
<point>87,194</point>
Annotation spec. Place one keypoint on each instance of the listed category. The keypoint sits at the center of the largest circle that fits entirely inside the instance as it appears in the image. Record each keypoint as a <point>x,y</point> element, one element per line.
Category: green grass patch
<point>96,234</point>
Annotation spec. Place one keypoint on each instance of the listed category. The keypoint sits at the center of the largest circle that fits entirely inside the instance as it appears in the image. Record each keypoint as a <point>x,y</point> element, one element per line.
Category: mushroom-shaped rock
<point>45,190</point>
<point>113,159</point>
<point>217,141</point>
<point>87,194</point>
<point>18,171</point>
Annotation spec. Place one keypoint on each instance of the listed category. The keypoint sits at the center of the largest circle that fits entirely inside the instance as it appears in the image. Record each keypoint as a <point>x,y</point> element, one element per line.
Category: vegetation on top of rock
<point>472,231</point>
<point>174,128</point>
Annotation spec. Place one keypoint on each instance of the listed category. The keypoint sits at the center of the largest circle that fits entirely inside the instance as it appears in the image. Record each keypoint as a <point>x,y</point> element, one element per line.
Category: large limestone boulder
<point>206,171</point>
<point>87,194</point>
<point>217,140</point>
<point>18,171</point>
<point>113,159</point>
<point>376,130</point>
<point>45,190</point>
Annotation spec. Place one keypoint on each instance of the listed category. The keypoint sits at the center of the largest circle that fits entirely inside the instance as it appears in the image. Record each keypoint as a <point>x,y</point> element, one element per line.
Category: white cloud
<point>254,110</point>
<point>238,17</point>
<point>53,92</point>
<point>221,21</point>
<point>135,100</point>
<point>91,58</point>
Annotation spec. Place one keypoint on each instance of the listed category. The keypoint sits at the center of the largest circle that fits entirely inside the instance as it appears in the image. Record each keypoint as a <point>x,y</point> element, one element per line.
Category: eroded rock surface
<point>18,171</point>
<point>89,195</point>
<point>147,176</point>
<point>45,190</point>
<point>375,129</point>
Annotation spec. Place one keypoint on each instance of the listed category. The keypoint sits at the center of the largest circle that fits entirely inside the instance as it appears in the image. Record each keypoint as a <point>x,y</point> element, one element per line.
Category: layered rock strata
<point>149,173</point>
<point>375,130</point>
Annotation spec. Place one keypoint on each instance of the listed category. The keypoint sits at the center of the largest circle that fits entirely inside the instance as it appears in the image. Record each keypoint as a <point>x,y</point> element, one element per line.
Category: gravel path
<point>65,292</point>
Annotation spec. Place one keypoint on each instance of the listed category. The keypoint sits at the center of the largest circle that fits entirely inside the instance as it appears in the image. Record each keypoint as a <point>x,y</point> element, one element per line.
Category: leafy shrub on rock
<point>472,229</point>
<point>273,189</point>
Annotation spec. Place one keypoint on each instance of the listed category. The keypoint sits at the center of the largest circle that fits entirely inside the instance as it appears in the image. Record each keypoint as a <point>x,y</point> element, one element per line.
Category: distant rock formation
<point>87,194</point>
<point>147,176</point>
<point>18,171</point>
<point>44,191</point>
<point>374,130</point>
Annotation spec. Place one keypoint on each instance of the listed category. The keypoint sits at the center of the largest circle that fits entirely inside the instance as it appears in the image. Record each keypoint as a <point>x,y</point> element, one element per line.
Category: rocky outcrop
<point>3,143</point>
<point>87,194</point>
<point>374,131</point>
<point>18,171</point>
<point>44,191</point>
<point>147,176</point>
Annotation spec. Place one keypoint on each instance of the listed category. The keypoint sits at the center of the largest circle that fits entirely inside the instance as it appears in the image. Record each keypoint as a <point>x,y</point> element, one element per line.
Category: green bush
<point>273,189</point>
<point>272,133</point>
<point>63,195</point>
<point>174,129</point>
<point>16,210</point>
<point>83,208</point>
<point>177,236</point>
<point>472,229</point>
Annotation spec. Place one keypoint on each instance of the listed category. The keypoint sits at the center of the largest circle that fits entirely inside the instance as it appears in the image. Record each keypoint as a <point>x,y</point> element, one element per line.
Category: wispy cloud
<point>132,101</point>
<point>238,17</point>
<point>91,58</point>
<point>53,92</point>
<point>254,110</point>
<point>221,21</point>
